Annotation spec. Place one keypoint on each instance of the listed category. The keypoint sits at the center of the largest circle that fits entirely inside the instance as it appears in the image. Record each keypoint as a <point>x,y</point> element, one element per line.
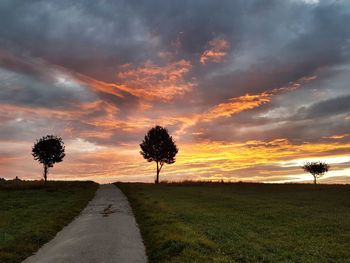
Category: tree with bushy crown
<point>317,169</point>
<point>48,150</point>
<point>158,146</point>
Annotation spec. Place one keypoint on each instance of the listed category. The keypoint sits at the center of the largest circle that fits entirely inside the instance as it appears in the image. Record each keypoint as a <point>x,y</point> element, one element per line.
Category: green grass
<point>32,213</point>
<point>243,222</point>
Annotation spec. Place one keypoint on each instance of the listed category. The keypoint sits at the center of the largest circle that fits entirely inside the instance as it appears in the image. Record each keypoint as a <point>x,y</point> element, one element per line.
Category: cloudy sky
<point>248,89</point>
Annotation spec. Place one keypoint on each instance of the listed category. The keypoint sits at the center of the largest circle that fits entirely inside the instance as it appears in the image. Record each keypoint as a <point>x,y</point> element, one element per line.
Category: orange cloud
<point>148,82</point>
<point>336,137</point>
<point>294,84</point>
<point>236,105</point>
<point>217,50</point>
<point>156,82</point>
<point>249,101</point>
<point>99,85</point>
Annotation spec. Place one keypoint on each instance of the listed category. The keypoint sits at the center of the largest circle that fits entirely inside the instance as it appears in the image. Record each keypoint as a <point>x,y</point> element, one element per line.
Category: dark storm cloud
<point>24,130</point>
<point>283,44</point>
<point>87,36</point>
<point>95,37</point>
<point>312,123</point>
<point>334,106</point>
<point>28,82</point>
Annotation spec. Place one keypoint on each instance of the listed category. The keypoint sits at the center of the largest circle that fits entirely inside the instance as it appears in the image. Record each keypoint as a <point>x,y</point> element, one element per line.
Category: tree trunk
<point>314,179</point>
<point>157,178</point>
<point>45,172</point>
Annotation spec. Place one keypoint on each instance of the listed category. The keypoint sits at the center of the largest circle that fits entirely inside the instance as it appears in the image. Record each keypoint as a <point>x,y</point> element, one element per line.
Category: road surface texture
<point>105,232</point>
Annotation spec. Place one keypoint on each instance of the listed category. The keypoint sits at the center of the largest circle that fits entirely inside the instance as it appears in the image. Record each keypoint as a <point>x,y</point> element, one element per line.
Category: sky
<point>249,90</point>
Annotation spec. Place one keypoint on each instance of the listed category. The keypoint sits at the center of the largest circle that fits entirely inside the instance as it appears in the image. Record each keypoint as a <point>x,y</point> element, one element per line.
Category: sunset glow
<point>248,92</point>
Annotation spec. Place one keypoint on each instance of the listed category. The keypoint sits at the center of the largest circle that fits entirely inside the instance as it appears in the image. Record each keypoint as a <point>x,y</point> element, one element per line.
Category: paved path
<point>106,231</point>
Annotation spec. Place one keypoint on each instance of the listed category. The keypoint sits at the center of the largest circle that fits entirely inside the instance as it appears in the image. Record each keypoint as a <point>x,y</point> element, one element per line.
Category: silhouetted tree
<point>158,146</point>
<point>317,169</point>
<point>48,150</point>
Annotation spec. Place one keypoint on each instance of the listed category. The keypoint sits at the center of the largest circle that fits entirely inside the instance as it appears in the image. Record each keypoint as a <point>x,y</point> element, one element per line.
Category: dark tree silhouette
<point>317,169</point>
<point>158,146</point>
<point>48,150</point>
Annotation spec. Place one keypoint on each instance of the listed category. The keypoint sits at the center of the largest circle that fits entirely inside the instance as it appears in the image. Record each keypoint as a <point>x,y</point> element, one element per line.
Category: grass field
<point>243,222</point>
<point>32,213</point>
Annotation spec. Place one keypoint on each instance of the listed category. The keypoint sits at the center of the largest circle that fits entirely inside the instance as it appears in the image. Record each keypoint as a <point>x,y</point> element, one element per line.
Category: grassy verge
<point>32,213</point>
<point>242,222</point>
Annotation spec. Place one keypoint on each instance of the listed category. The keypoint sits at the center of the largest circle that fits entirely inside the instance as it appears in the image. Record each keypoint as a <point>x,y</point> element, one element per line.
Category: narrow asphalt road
<point>105,232</point>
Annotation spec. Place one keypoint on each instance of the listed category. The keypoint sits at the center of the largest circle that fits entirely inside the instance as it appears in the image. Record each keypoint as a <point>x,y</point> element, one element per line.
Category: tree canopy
<point>158,146</point>
<point>48,150</point>
<point>317,169</point>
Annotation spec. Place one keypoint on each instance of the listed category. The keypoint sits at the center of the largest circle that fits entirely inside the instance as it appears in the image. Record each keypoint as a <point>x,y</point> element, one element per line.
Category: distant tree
<point>317,169</point>
<point>158,146</point>
<point>48,150</point>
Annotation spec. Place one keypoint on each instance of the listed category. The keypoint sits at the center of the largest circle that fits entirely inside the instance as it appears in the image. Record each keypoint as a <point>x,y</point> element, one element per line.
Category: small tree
<point>317,169</point>
<point>158,146</point>
<point>48,150</point>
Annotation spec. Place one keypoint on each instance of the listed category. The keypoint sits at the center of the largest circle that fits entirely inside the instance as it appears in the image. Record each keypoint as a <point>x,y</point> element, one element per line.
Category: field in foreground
<point>242,222</point>
<point>32,215</point>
